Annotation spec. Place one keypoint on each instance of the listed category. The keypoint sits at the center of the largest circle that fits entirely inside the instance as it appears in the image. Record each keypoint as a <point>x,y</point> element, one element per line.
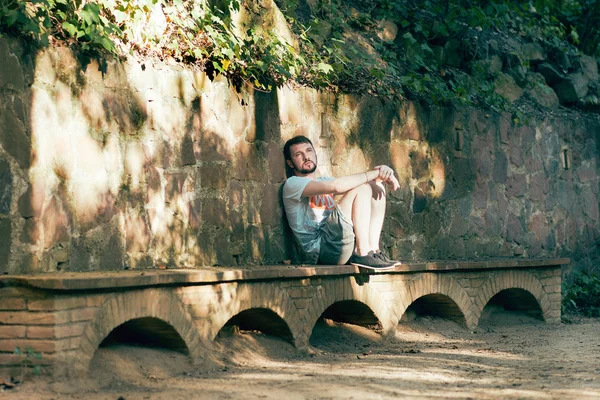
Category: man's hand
<point>386,174</point>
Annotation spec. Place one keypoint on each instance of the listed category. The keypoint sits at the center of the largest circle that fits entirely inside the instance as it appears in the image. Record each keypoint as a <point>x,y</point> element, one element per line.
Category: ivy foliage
<point>193,32</point>
<point>583,294</point>
<point>336,45</point>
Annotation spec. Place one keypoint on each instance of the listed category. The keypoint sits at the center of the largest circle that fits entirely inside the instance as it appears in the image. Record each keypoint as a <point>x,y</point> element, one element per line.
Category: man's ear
<point>289,163</point>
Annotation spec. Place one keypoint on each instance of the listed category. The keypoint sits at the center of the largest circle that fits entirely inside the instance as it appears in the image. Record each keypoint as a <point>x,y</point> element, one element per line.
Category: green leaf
<point>106,43</point>
<point>218,67</point>
<point>229,53</point>
<point>70,28</point>
<point>409,37</point>
<point>325,68</point>
<point>10,18</point>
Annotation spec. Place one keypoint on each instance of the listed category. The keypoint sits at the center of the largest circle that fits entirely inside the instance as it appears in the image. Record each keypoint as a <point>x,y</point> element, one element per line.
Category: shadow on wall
<point>145,166</point>
<point>421,144</point>
<point>138,167</point>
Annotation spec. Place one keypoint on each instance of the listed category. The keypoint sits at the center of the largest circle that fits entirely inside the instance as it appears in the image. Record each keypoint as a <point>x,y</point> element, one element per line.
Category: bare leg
<point>356,204</point>
<point>378,201</point>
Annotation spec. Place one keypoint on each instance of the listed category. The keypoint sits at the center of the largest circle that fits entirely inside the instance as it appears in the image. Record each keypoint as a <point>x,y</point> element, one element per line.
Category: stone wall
<point>141,164</point>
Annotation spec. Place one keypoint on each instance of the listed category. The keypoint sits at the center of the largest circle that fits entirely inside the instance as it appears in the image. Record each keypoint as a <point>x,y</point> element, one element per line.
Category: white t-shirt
<point>305,214</point>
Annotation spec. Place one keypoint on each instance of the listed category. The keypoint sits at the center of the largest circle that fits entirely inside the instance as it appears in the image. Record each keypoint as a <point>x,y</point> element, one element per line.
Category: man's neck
<point>312,176</point>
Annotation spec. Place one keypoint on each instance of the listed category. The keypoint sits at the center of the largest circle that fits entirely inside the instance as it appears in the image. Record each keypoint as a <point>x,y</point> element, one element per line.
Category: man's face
<point>303,159</point>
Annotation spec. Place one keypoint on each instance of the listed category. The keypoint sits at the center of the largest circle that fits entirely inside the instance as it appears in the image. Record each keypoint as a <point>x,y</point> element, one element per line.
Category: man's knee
<point>364,189</point>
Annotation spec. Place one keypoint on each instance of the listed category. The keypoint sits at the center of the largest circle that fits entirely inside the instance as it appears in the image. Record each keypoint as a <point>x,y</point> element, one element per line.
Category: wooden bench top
<point>211,275</point>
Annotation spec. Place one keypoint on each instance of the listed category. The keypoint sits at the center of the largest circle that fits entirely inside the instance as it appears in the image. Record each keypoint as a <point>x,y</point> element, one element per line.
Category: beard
<point>306,171</point>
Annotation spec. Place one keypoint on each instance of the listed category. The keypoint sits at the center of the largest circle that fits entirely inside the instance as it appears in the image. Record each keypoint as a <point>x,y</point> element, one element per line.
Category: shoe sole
<point>373,268</point>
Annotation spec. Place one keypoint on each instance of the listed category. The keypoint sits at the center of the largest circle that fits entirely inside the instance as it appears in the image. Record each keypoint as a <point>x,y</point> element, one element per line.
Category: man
<point>330,232</point>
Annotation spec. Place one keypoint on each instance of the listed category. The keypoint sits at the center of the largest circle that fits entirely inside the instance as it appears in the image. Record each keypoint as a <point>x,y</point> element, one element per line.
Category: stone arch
<point>335,290</point>
<point>432,284</point>
<point>511,280</point>
<point>249,296</point>
<point>123,307</point>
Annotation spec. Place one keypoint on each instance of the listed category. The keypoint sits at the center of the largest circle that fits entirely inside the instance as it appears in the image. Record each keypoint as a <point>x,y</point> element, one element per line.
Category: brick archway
<point>244,297</point>
<point>512,280</point>
<point>333,291</point>
<point>428,284</point>
<point>127,306</point>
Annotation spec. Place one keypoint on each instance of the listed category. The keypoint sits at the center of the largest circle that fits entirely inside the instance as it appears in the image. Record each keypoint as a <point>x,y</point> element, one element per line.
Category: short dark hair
<point>293,141</point>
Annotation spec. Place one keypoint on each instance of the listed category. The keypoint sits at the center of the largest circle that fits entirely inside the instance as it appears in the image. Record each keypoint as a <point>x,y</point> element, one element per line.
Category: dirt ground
<point>514,356</point>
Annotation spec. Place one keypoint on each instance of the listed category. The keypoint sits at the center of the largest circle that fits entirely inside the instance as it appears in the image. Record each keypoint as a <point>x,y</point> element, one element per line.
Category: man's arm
<point>349,182</point>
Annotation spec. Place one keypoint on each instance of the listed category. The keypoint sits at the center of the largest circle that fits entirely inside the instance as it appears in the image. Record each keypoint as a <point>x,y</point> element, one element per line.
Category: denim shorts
<point>337,239</point>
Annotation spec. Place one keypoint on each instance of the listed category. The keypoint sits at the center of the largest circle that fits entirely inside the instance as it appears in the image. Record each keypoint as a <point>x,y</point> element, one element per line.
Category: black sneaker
<point>383,256</point>
<point>370,261</point>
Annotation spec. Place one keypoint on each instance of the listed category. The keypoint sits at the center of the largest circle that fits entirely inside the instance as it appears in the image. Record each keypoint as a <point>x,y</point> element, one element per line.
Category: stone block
<point>5,243</point>
<point>214,211</point>
<point>14,138</point>
<point>266,112</point>
<point>590,203</point>
<point>586,174</point>
<point>500,168</point>
<point>459,226</point>
<point>484,165</point>
<point>493,222</point>
<point>419,164</point>
<point>276,162</point>
<point>236,195</point>
<point>11,72</point>
<point>589,67</point>
<point>420,198</point>
<point>514,230</point>
<point>533,160</point>
<point>516,186</point>
<point>506,87</point>
<point>193,213</point>
<point>432,224</point>
<point>271,210</point>
<point>214,176</point>
<point>517,155</point>
<point>572,88</point>
<point>538,224</point>
<point>255,244</point>
<point>137,235</point>
<point>538,187</point>
<point>223,251</point>
<point>32,201</point>
<point>525,137</point>
<point>5,187</point>
<point>251,162</point>
<point>178,184</point>
<point>112,256</point>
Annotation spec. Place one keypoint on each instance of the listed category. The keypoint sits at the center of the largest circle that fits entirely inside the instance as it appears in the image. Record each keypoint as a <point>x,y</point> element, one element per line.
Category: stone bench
<point>66,316</point>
